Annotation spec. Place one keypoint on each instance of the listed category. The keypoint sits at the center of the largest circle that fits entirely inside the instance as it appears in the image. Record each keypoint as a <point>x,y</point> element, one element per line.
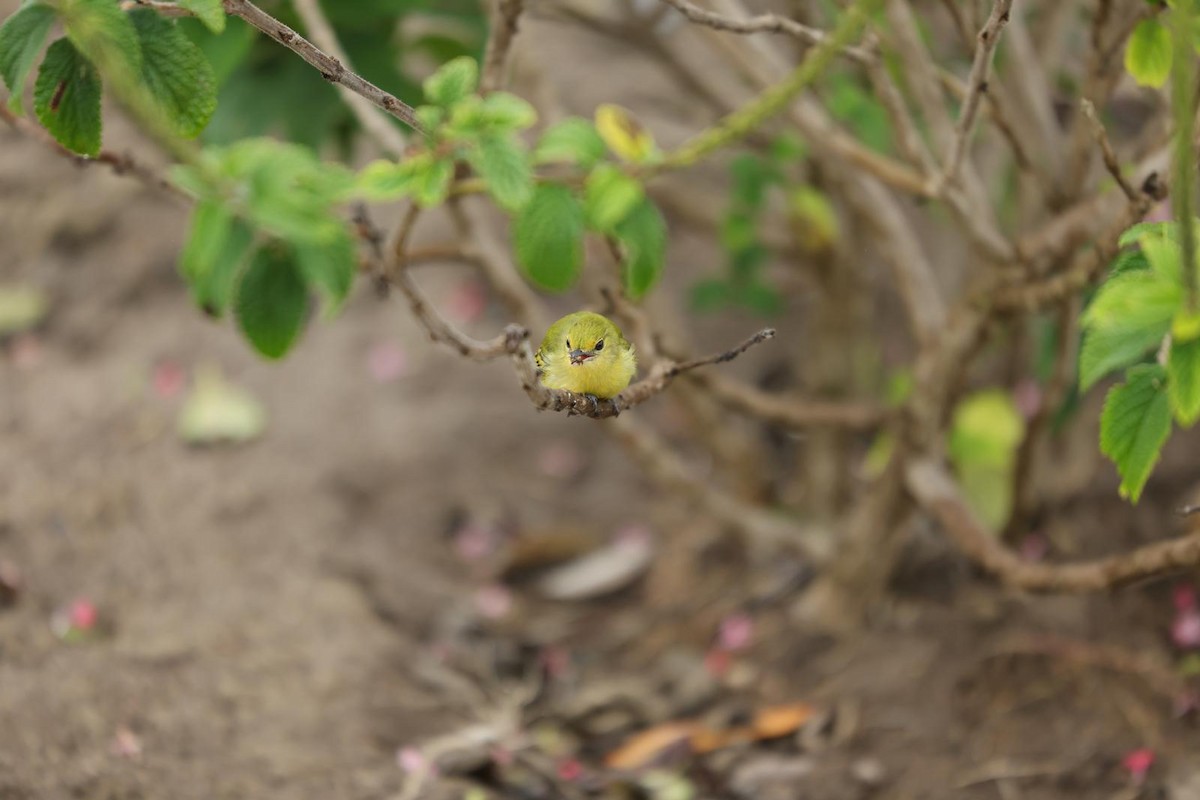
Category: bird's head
<point>590,338</point>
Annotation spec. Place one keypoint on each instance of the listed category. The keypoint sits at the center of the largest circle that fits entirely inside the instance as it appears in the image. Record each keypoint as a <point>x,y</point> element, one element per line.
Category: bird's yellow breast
<point>604,376</point>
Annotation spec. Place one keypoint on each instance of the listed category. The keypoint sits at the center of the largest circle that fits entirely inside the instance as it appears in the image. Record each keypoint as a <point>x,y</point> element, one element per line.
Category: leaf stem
<point>1183,84</point>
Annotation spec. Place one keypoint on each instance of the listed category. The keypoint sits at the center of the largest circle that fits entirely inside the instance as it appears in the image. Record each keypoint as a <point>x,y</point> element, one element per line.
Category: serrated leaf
<point>66,98</point>
<point>272,301</point>
<point>507,112</point>
<point>502,162</point>
<point>176,73</point>
<point>1134,425</point>
<point>453,81</point>
<point>330,268</point>
<point>1129,260</point>
<point>548,237</point>
<point>21,38</point>
<point>643,238</point>
<point>609,197</point>
<point>1129,315</point>
<point>216,250</point>
<point>210,12</point>
<point>1183,373</point>
<point>574,141</point>
<point>105,35</point>
<point>1148,54</point>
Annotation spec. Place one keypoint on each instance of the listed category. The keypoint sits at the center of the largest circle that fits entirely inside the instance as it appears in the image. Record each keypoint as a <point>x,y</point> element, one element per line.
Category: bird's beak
<point>579,356</point>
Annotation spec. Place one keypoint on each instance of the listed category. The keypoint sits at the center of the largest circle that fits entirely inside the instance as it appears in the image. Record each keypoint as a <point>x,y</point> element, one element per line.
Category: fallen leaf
<point>601,572</point>
<point>649,745</point>
<point>782,720</point>
<point>21,308</point>
<point>218,411</point>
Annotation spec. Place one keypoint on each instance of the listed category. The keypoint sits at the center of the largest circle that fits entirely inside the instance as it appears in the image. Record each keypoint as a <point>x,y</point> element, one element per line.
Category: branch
<point>788,411</point>
<point>331,69</point>
<point>977,82</point>
<point>377,126</point>
<point>936,491</point>
<point>749,117</point>
<point>765,23</point>
<point>1110,157</point>
<point>118,163</point>
<point>503,31</point>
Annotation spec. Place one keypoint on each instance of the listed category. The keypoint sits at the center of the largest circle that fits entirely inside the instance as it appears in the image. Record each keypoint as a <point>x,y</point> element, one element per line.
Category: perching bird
<point>585,353</point>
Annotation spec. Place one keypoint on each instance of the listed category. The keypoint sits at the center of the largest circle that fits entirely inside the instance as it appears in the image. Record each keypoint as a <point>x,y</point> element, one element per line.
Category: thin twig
<point>120,164</point>
<point>503,31</point>
<point>765,23</point>
<point>370,116</point>
<point>1110,157</point>
<point>938,493</point>
<point>331,69</point>
<point>977,82</point>
<point>787,411</point>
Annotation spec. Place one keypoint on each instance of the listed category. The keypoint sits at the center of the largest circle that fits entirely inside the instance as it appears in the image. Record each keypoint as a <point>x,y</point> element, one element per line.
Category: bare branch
<point>977,82</point>
<point>120,164</point>
<point>1110,157</point>
<point>789,411</point>
<point>936,491</point>
<point>503,31</point>
<point>764,23</point>
<point>331,69</point>
<point>370,116</point>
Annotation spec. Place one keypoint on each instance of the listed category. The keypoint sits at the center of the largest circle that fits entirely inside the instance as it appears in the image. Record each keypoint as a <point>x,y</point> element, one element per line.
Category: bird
<point>585,353</point>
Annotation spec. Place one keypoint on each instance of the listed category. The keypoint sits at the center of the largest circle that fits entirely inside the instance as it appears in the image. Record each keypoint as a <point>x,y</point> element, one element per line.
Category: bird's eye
<point>600,345</point>
<point>568,344</point>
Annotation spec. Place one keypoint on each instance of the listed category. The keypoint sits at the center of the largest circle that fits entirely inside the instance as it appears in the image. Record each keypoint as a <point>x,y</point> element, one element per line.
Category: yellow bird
<point>585,353</point>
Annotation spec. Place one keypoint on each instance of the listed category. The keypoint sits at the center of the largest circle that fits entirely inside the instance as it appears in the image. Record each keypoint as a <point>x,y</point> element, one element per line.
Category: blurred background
<point>373,570</point>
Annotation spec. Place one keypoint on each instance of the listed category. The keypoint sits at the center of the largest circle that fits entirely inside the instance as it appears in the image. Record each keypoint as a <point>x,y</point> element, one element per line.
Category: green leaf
<point>210,12</point>
<point>453,81</point>
<point>1148,54</point>
<point>1134,425</point>
<point>216,250</point>
<point>711,295</point>
<point>503,164</point>
<point>176,73</point>
<point>21,38</point>
<point>548,237</point>
<point>609,196</point>
<point>574,141</point>
<point>507,112</point>
<point>751,178</point>
<point>1129,260</point>
<point>1130,314</point>
<point>106,37</point>
<point>643,238</point>
<point>272,302</point>
<point>381,181</point>
<point>1183,372</point>
<point>432,184</point>
<point>226,51</point>
<point>66,98</point>
<point>330,269</point>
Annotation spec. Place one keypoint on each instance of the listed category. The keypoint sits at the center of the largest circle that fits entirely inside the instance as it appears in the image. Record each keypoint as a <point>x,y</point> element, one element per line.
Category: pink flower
<point>1185,630</point>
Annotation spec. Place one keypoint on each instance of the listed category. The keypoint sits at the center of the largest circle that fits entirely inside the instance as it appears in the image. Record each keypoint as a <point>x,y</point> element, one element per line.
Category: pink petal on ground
<point>82,615</point>
<point>718,662</point>
<point>1185,630</point>
<point>412,760</point>
<point>126,744</point>
<point>1138,762</point>
<point>475,542</point>
<point>569,769</point>
<point>387,361</point>
<point>736,632</point>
